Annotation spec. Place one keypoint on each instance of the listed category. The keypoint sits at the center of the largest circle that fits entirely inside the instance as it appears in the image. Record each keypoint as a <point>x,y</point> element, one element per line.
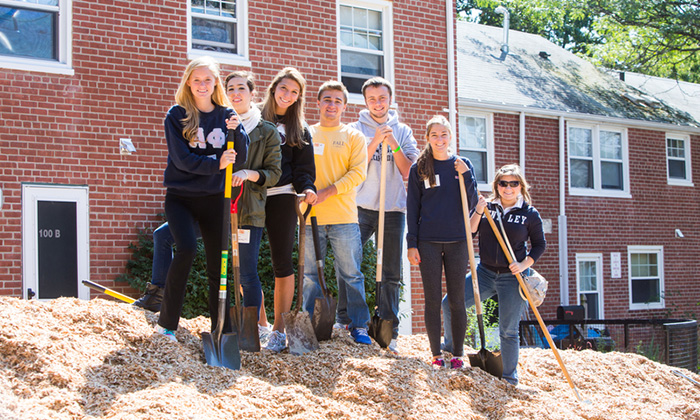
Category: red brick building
<point>79,76</point>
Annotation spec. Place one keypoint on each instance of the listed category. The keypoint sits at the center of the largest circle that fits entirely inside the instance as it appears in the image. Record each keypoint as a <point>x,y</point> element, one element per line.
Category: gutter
<point>539,112</point>
<point>563,235</point>
<point>450,12</point>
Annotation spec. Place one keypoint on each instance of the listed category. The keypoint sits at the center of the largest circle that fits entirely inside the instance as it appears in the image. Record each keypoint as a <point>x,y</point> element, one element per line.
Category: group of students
<point>337,169</point>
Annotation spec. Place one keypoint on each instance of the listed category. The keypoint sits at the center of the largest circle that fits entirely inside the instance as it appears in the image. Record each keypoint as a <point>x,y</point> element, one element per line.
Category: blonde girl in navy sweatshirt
<point>195,131</point>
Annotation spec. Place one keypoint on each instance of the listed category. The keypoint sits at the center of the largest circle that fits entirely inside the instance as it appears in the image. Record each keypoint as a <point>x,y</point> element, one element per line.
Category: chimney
<point>506,24</point>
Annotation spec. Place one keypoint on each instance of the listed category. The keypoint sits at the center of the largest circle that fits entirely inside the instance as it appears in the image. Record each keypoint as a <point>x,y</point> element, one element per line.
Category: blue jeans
<point>394,224</point>
<point>510,309</point>
<point>347,250</point>
<point>163,242</point>
<point>248,257</point>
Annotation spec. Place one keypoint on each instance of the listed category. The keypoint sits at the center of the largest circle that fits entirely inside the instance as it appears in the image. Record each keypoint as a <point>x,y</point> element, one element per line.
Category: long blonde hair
<point>293,119</point>
<point>184,98</point>
<point>512,169</point>
<point>425,163</point>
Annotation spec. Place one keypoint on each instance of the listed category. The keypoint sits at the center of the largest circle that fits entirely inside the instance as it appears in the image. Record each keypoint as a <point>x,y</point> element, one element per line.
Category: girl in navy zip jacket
<point>509,206</point>
<point>436,233</point>
<point>195,131</point>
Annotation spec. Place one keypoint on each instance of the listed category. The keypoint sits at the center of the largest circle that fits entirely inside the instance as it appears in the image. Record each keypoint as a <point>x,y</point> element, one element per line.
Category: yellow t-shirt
<point>340,155</point>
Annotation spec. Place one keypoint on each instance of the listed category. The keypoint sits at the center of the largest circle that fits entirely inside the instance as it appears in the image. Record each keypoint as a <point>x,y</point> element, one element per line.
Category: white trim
<point>64,63</point>
<point>386,9</point>
<point>688,181</point>
<point>31,195</point>
<point>597,258</point>
<point>242,57</point>
<point>597,190</point>
<point>646,249</point>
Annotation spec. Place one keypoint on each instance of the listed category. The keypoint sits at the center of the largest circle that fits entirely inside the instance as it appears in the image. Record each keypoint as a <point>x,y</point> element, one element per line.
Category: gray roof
<point>559,82</point>
<point>682,95</point>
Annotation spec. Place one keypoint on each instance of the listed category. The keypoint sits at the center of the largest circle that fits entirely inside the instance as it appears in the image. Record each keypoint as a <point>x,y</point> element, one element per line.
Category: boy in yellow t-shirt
<point>340,155</point>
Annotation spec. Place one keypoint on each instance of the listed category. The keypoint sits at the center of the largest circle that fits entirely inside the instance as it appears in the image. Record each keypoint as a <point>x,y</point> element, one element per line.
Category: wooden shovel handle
<point>470,244</point>
<point>532,305</point>
<point>302,245</point>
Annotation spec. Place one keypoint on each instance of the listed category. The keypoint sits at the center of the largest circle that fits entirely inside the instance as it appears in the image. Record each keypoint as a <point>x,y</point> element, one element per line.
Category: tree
<point>656,37</point>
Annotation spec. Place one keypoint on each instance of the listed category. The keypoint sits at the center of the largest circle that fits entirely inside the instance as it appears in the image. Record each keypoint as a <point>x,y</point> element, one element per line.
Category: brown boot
<point>151,299</point>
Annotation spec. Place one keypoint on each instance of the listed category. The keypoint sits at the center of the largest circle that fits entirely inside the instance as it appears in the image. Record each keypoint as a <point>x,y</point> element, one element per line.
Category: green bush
<point>139,267</point>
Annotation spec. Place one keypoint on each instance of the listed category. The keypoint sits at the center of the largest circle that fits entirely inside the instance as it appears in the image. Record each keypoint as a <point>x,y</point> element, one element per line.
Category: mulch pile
<point>73,359</point>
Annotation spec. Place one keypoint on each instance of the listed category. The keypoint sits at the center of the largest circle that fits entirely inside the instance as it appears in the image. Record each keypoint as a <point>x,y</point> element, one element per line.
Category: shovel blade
<point>324,318</point>
<point>382,330</point>
<point>248,335</point>
<point>225,353</point>
<point>300,333</point>
<point>488,362</point>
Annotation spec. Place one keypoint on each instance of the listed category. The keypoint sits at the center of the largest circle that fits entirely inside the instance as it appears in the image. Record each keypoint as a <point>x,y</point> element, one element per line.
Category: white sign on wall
<point>615,266</point>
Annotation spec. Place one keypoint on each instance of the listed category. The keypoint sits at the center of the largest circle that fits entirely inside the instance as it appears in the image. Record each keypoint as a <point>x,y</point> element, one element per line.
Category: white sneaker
<point>339,326</point>
<point>169,334</point>
<point>264,332</point>
<point>393,346</point>
<point>277,342</point>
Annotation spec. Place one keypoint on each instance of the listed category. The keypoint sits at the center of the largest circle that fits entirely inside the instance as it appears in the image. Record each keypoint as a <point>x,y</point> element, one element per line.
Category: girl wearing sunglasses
<point>510,207</point>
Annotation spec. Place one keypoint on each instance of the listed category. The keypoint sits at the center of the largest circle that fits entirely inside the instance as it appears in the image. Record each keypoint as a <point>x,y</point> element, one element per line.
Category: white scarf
<point>251,118</point>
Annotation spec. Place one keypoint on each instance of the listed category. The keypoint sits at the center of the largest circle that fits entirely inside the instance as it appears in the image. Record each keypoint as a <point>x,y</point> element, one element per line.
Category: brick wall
<point>128,58</point>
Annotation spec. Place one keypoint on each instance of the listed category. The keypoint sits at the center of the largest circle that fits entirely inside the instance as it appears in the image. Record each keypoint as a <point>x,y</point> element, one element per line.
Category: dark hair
<point>248,76</point>
<point>425,163</point>
<point>333,85</point>
<point>377,82</point>
<point>293,119</point>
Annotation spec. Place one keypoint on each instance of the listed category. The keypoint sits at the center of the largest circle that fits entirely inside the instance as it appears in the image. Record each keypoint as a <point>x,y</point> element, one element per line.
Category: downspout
<point>451,70</point>
<point>563,245</point>
<point>522,142</point>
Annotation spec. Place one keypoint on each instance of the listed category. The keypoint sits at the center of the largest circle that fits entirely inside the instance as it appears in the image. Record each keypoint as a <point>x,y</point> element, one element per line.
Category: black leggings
<point>183,213</point>
<point>281,225</point>
<point>453,255</point>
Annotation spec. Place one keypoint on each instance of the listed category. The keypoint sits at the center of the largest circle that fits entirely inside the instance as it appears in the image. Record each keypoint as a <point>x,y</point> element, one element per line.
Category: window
<point>678,159</point>
<point>364,43</point>
<point>219,29</point>
<point>35,35</point>
<point>589,280</point>
<point>598,161</point>
<point>646,277</point>
<point>476,143</point>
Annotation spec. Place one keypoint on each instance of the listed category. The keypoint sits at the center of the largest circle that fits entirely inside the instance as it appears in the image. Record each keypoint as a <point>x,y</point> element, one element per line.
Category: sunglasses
<point>512,184</point>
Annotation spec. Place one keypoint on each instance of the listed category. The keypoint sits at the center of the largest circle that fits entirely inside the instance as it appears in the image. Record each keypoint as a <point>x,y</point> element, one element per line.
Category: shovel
<point>484,359</point>
<point>222,349</point>
<point>108,292</point>
<point>325,307</point>
<point>534,308</point>
<point>300,333</point>
<point>244,320</point>
<point>382,330</point>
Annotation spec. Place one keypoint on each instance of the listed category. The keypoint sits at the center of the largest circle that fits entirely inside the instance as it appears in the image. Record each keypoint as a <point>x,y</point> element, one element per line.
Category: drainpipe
<point>563,245</point>
<point>506,24</point>
<point>450,12</point>
<point>522,142</point>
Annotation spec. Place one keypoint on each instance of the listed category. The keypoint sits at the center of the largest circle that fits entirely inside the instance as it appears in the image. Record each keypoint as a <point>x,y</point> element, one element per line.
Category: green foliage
<point>655,37</point>
<point>490,316</point>
<point>139,268</point>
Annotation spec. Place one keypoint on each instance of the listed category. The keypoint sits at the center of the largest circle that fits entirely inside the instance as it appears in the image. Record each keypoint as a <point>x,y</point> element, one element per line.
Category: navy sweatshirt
<point>298,167</point>
<point>435,214</point>
<point>193,168</point>
<point>521,224</point>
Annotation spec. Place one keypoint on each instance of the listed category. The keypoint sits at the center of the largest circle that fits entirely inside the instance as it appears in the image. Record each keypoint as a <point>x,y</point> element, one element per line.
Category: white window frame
<point>386,8</point>
<point>64,63</point>
<point>597,190</point>
<point>490,149</point>
<point>598,260</point>
<point>242,58</point>
<point>659,250</point>
<point>688,180</point>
